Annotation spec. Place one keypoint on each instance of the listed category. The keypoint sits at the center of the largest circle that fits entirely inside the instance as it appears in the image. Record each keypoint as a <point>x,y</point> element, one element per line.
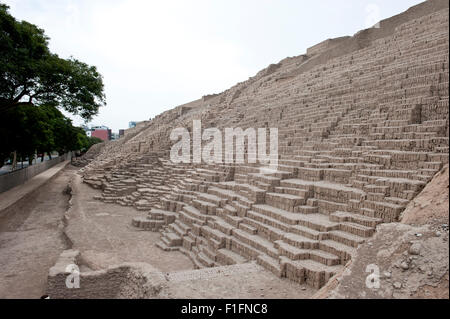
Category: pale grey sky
<point>155,55</point>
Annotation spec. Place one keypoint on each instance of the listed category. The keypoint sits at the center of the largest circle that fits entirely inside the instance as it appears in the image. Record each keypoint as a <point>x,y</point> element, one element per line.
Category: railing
<point>14,178</point>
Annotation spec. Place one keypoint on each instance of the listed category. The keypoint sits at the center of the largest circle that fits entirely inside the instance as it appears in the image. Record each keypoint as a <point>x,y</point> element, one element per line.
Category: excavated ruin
<point>363,126</point>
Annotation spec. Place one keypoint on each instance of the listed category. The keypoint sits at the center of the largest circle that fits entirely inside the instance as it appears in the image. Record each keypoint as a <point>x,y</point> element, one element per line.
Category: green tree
<point>34,83</point>
<point>31,74</point>
<point>27,129</point>
<point>62,130</point>
<point>24,129</point>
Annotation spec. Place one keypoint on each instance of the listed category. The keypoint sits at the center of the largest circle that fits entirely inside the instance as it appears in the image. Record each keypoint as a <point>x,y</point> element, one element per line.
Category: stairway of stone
<point>343,171</point>
<point>360,135</point>
<point>271,218</point>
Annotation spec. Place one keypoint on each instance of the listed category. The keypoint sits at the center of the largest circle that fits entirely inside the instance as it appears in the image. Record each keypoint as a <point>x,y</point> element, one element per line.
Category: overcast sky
<point>155,55</point>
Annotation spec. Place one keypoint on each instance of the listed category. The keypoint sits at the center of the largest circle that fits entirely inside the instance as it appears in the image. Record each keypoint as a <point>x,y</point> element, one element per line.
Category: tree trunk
<point>49,155</point>
<point>14,163</point>
<point>42,157</point>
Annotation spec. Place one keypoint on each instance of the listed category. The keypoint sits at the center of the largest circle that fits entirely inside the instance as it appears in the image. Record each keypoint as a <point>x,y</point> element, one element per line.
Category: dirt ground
<point>244,281</point>
<point>31,239</point>
<point>103,234</point>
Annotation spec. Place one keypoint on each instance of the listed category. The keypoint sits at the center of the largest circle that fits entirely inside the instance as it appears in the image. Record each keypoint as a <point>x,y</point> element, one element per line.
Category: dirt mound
<point>431,204</point>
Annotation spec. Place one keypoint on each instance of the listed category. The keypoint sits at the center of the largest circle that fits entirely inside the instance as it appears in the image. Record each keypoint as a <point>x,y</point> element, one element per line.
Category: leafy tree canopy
<point>27,129</point>
<point>31,74</point>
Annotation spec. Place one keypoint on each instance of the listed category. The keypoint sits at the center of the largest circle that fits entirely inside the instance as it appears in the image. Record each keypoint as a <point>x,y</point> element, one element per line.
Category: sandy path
<point>31,239</point>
